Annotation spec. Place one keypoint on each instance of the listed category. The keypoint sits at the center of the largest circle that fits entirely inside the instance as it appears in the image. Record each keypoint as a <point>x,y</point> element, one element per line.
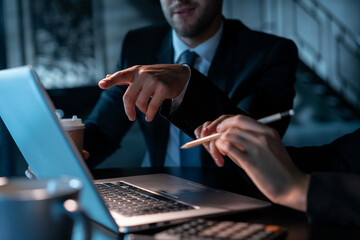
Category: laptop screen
<point>29,115</point>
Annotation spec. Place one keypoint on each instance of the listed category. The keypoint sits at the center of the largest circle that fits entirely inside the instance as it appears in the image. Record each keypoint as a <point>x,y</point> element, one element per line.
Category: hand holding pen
<point>265,120</point>
<point>231,120</point>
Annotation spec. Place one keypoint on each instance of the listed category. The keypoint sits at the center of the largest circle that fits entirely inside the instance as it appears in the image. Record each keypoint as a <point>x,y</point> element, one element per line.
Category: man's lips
<point>184,11</point>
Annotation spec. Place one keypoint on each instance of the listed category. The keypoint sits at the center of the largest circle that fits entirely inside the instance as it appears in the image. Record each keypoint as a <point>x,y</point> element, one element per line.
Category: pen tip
<point>291,112</point>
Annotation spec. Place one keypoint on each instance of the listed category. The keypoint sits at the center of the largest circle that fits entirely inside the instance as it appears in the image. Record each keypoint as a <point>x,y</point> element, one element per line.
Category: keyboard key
<point>211,230</point>
<point>132,201</point>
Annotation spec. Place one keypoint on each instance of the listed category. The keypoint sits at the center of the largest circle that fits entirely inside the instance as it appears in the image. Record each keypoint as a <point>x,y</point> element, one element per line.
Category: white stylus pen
<point>265,120</point>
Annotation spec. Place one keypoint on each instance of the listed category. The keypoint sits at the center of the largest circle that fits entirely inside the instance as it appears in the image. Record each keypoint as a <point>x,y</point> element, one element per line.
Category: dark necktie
<point>188,57</point>
<point>189,157</point>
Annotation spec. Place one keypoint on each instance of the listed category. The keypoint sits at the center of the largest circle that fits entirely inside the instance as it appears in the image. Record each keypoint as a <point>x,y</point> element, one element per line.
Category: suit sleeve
<point>271,86</point>
<point>194,111</point>
<point>342,155</point>
<point>263,87</point>
<point>333,195</point>
<point>107,124</point>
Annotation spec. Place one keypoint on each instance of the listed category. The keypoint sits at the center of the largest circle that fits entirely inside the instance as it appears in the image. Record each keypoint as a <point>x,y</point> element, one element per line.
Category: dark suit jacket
<point>334,191</point>
<point>252,73</point>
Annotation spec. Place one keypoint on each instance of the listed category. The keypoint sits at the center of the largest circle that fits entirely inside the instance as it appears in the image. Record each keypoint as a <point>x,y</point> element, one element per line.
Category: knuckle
<point>160,85</point>
<point>273,132</point>
<point>226,116</point>
<point>140,70</point>
<point>163,90</point>
<point>226,135</point>
<point>141,105</point>
<point>239,117</point>
<point>128,98</point>
<point>264,139</point>
<point>207,123</point>
<point>226,146</point>
<point>152,106</point>
<point>137,67</point>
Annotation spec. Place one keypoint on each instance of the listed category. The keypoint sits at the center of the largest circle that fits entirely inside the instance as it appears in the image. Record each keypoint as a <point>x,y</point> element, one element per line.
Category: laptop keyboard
<point>132,201</point>
<point>205,229</point>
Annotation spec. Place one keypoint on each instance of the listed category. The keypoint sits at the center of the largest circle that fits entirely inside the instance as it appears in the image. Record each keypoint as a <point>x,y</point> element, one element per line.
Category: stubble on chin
<point>187,30</point>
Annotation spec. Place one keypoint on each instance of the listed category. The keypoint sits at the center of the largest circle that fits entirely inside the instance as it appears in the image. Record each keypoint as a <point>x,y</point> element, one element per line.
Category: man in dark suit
<point>322,181</point>
<point>240,71</point>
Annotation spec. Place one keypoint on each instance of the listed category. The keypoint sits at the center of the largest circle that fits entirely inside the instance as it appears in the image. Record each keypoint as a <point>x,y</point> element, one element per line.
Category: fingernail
<point>218,127</point>
<point>108,75</point>
<point>219,162</point>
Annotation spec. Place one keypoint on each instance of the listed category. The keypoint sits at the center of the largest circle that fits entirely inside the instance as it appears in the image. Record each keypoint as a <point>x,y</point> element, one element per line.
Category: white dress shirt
<point>206,52</point>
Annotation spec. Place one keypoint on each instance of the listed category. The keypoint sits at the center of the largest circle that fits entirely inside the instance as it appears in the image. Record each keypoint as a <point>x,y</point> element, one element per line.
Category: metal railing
<point>325,43</point>
<point>335,56</point>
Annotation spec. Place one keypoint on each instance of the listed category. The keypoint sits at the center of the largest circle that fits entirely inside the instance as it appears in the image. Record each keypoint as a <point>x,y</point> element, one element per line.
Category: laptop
<point>29,115</point>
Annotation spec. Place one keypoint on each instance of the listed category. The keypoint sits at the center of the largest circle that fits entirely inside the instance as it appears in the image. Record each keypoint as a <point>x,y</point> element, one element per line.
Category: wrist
<point>175,102</point>
<point>296,197</point>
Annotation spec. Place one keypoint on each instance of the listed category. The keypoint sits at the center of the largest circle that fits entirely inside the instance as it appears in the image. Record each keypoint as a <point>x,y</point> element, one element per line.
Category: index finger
<point>243,122</point>
<point>123,77</point>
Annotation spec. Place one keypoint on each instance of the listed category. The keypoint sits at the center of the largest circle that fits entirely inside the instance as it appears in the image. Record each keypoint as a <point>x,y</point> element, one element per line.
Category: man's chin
<point>186,31</point>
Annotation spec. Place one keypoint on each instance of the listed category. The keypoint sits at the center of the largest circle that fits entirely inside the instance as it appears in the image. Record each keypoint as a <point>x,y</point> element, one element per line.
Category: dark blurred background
<point>72,44</point>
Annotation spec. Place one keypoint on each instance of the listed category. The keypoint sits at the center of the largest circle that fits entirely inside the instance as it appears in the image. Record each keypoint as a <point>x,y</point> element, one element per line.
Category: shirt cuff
<point>175,102</point>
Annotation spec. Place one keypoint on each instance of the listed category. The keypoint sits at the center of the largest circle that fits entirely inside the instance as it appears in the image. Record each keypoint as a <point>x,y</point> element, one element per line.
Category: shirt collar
<point>205,50</point>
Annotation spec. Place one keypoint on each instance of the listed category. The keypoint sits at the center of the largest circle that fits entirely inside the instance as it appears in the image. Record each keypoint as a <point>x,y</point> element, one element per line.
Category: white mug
<point>41,209</point>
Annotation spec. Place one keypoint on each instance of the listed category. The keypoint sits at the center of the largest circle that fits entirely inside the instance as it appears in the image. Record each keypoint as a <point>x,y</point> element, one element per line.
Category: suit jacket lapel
<point>226,59</point>
<point>219,68</point>
<point>166,52</point>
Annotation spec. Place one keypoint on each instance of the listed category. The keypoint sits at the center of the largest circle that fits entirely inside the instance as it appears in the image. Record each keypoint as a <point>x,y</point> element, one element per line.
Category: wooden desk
<point>294,221</point>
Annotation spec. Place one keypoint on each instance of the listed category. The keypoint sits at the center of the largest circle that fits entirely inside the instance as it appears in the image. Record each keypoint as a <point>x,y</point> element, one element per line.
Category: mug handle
<point>29,174</point>
<point>81,221</point>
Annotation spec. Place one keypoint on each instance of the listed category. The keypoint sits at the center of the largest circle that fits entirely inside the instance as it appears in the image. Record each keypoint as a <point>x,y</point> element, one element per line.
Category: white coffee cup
<point>75,128</point>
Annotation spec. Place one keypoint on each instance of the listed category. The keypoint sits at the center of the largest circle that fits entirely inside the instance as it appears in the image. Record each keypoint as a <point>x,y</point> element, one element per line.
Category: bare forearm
<point>296,198</point>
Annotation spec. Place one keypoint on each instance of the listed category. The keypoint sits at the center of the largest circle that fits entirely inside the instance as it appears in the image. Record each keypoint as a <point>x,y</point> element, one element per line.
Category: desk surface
<point>232,180</point>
